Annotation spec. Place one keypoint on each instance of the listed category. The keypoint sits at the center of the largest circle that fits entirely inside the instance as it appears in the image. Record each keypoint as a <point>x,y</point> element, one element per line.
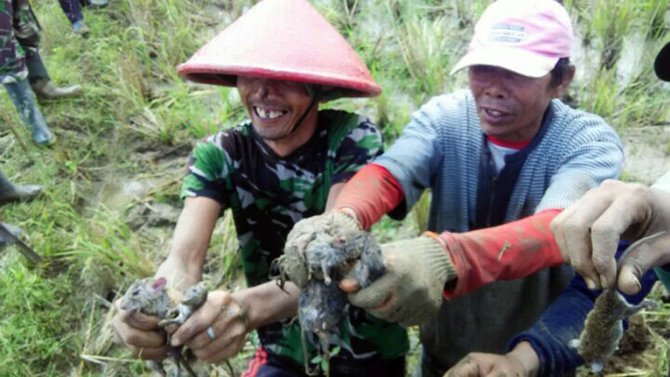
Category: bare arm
<point>267,303</point>
<point>230,316</point>
<point>183,266</point>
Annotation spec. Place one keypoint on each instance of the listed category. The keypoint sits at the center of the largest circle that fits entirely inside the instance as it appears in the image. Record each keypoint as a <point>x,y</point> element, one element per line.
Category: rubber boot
<point>10,192</point>
<point>24,101</point>
<point>15,230</point>
<point>46,90</point>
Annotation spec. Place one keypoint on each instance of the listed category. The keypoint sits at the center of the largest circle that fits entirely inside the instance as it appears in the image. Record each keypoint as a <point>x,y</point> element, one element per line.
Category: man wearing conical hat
<point>285,163</point>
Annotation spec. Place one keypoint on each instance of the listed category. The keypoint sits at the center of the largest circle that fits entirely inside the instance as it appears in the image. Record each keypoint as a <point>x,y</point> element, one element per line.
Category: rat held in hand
<point>149,296</point>
<point>329,259</point>
<point>603,328</point>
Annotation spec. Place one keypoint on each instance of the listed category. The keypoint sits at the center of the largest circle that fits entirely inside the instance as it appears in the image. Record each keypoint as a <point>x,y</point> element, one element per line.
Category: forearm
<point>268,303</point>
<point>526,355</point>
<point>183,266</point>
<point>506,252</point>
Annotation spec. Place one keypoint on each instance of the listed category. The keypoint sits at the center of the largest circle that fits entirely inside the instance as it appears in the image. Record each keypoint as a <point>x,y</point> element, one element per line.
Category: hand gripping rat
<point>149,296</point>
<point>330,258</point>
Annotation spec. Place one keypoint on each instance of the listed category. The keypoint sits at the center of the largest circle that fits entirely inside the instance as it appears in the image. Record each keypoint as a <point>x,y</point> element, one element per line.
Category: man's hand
<point>216,331</point>
<point>589,231</point>
<point>487,364</point>
<point>410,291</point>
<point>139,333</point>
<point>313,233</point>
<point>520,362</point>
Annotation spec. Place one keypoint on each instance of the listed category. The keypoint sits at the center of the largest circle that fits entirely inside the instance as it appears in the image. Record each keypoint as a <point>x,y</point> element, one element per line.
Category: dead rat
<point>603,328</point>
<point>329,259</point>
<point>149,296</point>
<point>193,298</point>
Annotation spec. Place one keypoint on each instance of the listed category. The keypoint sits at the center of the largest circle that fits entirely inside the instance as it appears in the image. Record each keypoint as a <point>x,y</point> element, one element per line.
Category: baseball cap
<point>662,63</point>
<point>527,37</point>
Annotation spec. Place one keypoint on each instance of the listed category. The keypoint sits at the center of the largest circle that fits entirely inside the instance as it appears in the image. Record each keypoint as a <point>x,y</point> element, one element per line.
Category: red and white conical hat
<point>283,40</point>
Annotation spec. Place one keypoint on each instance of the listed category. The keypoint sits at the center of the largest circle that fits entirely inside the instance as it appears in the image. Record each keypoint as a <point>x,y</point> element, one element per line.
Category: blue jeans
<point>23,98</point>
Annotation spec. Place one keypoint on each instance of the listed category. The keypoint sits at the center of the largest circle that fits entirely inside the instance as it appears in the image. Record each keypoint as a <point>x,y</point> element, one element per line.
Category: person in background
<point>72,10</point>
<point>501,160</point>
<point>12,193</point>
<point>17,28</point>
<point>27,32</point>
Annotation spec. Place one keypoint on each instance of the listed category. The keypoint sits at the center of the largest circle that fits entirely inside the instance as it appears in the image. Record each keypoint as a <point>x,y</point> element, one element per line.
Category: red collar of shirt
<point>509,144</point>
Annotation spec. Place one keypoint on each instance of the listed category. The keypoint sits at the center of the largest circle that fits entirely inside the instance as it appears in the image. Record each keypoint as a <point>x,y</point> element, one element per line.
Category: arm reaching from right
<point>588,233</point>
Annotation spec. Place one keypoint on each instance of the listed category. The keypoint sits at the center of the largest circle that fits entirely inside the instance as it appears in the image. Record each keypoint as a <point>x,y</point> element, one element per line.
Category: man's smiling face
<point>273,106</point>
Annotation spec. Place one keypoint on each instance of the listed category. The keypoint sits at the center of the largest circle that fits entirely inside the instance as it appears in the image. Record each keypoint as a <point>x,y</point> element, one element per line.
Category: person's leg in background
<point>40,81</point>
<point>72,10</point>
<point>22,96</point>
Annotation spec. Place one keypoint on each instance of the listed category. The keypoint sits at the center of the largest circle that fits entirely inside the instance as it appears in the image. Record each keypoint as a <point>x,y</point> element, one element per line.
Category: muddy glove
<point>312,234</point>
<point>411,290</point>
<point>420,271</point>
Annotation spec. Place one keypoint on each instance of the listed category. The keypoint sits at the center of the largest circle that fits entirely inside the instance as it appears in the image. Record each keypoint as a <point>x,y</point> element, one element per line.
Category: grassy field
<point>112,179</point>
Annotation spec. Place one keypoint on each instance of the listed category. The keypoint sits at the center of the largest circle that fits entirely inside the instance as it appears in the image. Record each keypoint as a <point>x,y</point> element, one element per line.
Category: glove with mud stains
<point>411,289</point>
<point>420,271</point>
<point>308,239</point>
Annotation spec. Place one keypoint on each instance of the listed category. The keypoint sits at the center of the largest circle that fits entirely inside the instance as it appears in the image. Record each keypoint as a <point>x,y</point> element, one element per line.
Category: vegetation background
<point>112,180</point>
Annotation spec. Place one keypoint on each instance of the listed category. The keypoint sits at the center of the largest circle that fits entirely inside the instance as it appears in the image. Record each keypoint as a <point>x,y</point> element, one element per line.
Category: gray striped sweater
<point>439,150</point>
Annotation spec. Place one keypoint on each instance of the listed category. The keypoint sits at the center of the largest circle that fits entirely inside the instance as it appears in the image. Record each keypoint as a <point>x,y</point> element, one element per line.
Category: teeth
<point>268,114</point>
<point>494,112</point>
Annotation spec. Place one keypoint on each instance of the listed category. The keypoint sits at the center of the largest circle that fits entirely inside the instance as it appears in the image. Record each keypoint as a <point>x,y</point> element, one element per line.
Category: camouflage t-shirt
<point>268,194</point>
<point>19,30</point>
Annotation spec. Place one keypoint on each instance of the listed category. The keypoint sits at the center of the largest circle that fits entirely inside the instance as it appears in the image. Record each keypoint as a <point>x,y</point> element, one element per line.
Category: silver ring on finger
<point>210,333</point>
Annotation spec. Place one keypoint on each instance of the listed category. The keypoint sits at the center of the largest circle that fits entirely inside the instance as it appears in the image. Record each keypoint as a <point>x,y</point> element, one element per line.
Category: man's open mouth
<point>266,113</point>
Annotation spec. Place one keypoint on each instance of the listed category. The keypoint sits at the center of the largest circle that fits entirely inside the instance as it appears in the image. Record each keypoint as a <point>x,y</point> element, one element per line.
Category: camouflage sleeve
<point>26,27</point>
<point>358,148</point>
<point>12,60</point>
<point>209,171</point>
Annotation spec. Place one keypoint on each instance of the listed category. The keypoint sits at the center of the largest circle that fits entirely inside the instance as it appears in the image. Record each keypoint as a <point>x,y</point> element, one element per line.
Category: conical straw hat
<point>282,40</point>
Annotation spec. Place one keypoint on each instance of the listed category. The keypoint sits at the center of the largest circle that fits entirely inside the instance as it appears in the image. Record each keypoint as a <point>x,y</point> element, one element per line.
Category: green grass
<point>137,121</point>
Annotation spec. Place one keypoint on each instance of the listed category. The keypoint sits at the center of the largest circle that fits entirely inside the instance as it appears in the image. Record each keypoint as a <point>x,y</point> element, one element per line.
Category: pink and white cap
<point>523,36</point>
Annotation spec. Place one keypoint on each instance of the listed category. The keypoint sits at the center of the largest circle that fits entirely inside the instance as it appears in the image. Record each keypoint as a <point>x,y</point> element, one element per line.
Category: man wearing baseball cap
<point>286,162</point>
<point>592,234</point>
<point>501,160</point>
